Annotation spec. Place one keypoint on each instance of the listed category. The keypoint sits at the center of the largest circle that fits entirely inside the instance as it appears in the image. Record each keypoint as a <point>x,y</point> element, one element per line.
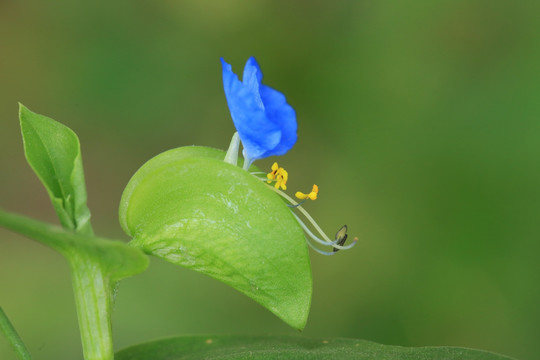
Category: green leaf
<point>290,348</point>
<point>191,208</point>
<point>53,151</point>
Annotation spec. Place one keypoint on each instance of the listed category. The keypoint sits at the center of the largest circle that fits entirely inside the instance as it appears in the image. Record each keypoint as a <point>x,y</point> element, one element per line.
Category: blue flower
<point>265,122</point>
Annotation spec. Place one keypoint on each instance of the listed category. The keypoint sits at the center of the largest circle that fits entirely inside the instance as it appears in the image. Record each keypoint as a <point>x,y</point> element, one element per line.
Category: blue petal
<point>252,79</point>
<point>252,66</point>
<point>265,122</point>
<point>281,113</point>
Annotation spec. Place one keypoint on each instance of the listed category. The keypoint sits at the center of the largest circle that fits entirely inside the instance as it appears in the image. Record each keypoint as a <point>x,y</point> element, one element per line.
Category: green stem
<point>91,284</point>
<point>14,339</point>
<point>92,290</point>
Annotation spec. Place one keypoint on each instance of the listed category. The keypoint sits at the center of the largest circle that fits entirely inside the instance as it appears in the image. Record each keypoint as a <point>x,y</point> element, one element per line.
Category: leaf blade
<point>191,208</point>
<point>293,348</point>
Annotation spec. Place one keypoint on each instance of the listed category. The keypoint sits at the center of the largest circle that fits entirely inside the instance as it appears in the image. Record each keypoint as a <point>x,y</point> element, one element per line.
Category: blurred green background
<point>419,121</point>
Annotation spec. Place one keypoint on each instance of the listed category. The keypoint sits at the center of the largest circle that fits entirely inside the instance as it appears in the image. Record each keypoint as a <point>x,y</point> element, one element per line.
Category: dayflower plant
<point>196,207</point>
<point>266,125</point>
<point>210,211</point>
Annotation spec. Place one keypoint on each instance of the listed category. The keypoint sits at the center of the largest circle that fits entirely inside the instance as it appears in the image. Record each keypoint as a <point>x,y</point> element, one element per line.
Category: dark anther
<point>341,237</point>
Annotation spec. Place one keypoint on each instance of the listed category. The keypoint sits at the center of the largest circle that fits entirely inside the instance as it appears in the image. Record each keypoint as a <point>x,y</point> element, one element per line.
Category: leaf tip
<point>25,114</point>
<point>22,109</point>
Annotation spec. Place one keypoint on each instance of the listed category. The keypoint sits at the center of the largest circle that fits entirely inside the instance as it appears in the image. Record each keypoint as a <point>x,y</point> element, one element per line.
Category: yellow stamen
<point>279,175</point>
<point>272,175</point>
<point>312,195</point>
<point>282,178</point>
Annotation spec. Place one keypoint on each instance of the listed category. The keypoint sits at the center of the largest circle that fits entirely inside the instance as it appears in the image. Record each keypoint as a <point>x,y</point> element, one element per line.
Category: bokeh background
<point>419,120</point>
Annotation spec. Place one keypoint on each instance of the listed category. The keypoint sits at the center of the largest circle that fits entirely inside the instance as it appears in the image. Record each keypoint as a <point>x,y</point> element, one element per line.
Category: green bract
<point>191,208</point>
<point>54,153</point>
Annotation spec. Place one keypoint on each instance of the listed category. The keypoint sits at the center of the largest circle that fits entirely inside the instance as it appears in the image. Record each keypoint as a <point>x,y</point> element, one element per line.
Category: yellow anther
<point>272,175</point>
<point>279,175</point>
<point>282,178</point>
<point>312,195</point>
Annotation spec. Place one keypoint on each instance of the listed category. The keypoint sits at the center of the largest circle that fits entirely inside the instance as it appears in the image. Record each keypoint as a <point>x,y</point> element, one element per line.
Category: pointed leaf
<point>191,208</point>
<point>53,151</point>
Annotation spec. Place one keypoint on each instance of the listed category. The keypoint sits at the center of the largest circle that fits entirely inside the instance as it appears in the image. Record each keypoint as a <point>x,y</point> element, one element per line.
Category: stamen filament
<point>326,240</point>
<point>311,235</point>
<point>322,242</point>
<point>304,212</point>
<point>322,252</point>
<point>297,205</point>
<point>346,247</point>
